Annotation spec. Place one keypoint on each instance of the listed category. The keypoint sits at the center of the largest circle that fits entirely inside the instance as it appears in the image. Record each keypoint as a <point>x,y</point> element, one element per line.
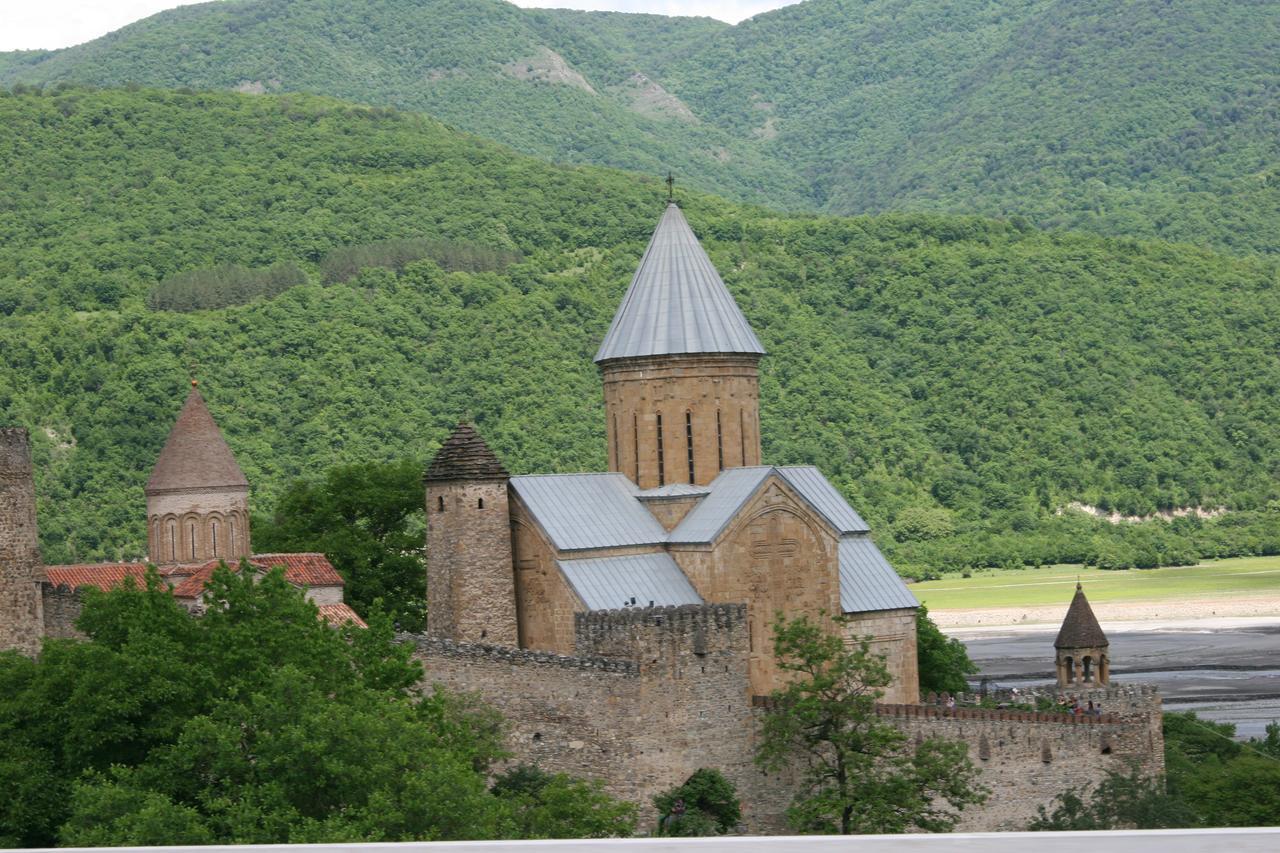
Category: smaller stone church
<point>197,518</point>
<point>688,513</point>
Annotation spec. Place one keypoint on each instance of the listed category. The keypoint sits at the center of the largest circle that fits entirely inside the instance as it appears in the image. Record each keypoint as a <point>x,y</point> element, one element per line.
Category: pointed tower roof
<point>195,455</point>
<point>1080,630</point>
<point>465,456</point>
<point>677,302</point>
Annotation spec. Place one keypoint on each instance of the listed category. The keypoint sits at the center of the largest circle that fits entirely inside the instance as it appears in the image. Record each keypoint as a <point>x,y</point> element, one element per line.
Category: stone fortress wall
<point>653,694</point>
<point>21,569</point>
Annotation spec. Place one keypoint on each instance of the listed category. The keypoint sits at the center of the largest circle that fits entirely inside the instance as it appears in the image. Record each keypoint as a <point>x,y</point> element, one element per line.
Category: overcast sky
<point>30,24</point>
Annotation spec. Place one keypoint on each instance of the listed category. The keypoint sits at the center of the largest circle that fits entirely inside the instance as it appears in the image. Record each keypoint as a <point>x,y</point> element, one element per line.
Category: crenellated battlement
<point>440,647</point>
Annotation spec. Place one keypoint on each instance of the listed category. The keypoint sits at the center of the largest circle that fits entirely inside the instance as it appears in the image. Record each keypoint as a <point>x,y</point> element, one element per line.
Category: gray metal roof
<point>826,499</point>
<point>609,583</point>
<point>674,490</point>
<point>579,511</point>
<point>677,302</point>
<point>867,581</point>
<point>729,492</point>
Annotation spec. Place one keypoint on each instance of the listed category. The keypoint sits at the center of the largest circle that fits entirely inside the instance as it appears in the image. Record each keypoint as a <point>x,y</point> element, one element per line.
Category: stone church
<point>687,514</point>
<point>197,518</point>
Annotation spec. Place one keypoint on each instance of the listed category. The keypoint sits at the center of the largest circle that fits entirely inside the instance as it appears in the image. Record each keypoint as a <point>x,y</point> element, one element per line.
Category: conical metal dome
<point>677,302</point>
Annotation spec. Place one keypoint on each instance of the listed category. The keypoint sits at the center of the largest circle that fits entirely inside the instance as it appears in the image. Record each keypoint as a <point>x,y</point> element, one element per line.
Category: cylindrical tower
<point>21,570</point>
<point>680,368</point>
<point>197,496</point>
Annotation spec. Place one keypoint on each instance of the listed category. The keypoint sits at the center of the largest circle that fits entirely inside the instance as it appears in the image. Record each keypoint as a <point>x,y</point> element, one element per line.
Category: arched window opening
<point>1088,668</point>
<point>635,440</point>
<point>231,536</point>
<point>440,503</point>
<point>214,526</point>
<point>192,530</point>
<point>173,542</point>
<point>615,452</point>
<point>719,440</point>
<point>662,474</point>
<point>688,440</point>
<point>1070,667</point>
<point>742,434</point>
<point>479,503</point>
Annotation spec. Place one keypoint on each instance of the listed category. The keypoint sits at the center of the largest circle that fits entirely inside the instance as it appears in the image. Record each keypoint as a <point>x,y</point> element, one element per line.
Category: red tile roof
<point>339,614</point>
<point>299,570</point>
<point>101,575</point>
<point>302,569</point>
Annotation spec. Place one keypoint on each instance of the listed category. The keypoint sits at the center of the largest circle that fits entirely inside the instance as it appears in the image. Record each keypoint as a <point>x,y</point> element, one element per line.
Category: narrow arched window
<point>719,441</point>
<point>231,536</point>
<point>214,526</point>
<point>1088,668</point>
<point>688,440</point>
<point>635,438</point>
<point>173,542</point>
<point>479,503</point>
<point>440,503</point>
<point>662,479</point>
<point>192,529</point>
<point>1070,666</point>
<point>615,447</point>
<point>742,434</point>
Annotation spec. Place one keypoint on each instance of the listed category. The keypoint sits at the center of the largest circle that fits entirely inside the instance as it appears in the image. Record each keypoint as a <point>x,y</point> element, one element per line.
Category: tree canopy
<point>856,773</point>
<point>255,723</point>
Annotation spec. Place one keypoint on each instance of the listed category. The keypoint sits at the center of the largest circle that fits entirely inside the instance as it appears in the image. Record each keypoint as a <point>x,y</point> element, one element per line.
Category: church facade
<point>688,514</point>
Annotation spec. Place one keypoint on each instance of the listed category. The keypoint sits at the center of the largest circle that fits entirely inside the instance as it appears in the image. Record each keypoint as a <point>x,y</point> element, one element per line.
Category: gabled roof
<point>610,583</point>
<point>867,581</point>
<point>735,486</point>
<point>340,614</point>
<point>579,511</point>
<point>677,302</point>
<point>195,454</point>
<point>103,576</point>
<point>465,456</point>
<point>299,570</point>
<point>1080,630</point>
<point>729,491</point>
<point>825,498</point>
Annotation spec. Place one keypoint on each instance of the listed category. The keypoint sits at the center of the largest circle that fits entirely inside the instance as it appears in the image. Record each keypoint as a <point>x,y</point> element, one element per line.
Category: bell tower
<point>197,496</point>
<point>1083,656</point>
<point>680,368</point>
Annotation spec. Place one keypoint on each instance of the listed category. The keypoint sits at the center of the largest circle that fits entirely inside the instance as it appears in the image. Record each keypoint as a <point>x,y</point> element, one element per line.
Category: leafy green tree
<point>367,519</point>
<point>553,805</point>
<point>858,774</point>
<point>943,661</point>
<point>705,804</point>
<point>1122,800</point>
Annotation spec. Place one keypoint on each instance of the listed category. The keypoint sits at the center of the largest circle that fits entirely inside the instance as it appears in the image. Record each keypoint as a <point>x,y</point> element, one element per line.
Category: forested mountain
<point>960,379</point>
<point>1142,118</point>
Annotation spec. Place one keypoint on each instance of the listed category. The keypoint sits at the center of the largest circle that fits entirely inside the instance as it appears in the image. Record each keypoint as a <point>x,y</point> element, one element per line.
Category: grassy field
<point>1249,576</point>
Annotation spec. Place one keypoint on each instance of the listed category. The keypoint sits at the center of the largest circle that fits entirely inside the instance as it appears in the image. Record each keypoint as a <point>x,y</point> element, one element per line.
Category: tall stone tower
<point>197,497</point>
<point>21,570</point>
<point>1082,648</point>
<point>471,595</point>
<point>680,368</point>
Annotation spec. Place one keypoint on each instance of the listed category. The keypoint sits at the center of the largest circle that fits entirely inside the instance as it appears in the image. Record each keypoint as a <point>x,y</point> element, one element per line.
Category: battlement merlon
<point>438,646</point>
<point>652,635</point>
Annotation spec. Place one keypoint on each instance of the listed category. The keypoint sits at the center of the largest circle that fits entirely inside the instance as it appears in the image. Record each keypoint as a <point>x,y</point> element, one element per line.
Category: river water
<point>1225,674</point>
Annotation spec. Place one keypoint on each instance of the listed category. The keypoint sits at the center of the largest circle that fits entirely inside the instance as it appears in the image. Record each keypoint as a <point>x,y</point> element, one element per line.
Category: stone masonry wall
<point>21,570</point>
<point>544,600</point>
<point>657,693</point>
<point>706,387</point>
<point>62,607</point>
<point>894,633</point>
<point>470,583</point>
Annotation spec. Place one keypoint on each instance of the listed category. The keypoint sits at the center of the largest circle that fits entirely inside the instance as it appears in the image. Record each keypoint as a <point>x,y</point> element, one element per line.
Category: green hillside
<point>1139,118</point>
<point>960,379</point>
